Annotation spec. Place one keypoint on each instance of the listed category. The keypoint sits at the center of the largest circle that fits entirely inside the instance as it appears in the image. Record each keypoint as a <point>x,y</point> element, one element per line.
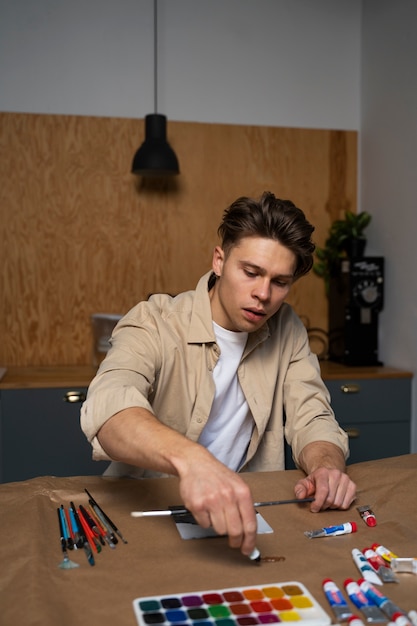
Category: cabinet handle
<point>350,388</point>
<point>74,396</point>
<point>353,433</point>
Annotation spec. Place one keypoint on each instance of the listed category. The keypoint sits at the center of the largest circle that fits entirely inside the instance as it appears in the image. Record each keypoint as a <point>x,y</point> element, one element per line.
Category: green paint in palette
<point>243,606</point>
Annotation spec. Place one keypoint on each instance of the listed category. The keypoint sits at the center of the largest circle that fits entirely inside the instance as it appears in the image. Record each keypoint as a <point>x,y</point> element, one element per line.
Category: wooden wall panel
<point>79,234</point>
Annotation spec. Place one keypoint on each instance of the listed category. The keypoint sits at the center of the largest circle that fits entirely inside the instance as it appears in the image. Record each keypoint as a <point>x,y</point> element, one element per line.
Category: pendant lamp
<point>155,157</point>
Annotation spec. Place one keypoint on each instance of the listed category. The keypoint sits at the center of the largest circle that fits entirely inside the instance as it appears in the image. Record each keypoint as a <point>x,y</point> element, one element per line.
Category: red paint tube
<point>367,515</point>
<point>373,558</point>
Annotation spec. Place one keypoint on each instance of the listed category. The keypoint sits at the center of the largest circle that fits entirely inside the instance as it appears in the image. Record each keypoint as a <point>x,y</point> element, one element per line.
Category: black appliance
<point>356,297</point>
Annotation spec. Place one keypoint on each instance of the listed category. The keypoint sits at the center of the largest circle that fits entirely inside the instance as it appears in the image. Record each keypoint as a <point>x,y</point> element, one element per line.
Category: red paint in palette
<point>212,598</point>
<point>281,604</point>
<point>232,596</point>
<point>240,609</point>
<point>260,606</point>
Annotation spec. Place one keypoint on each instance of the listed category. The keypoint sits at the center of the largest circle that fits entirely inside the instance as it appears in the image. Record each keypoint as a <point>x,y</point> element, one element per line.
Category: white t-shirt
<point>229,426</point>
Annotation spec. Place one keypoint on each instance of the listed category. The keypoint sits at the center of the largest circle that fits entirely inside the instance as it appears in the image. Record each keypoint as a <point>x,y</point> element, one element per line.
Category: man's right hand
<point>215,495</point>
<point>218,497</point>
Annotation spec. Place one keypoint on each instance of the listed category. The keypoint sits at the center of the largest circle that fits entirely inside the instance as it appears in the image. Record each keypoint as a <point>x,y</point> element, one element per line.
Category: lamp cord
<point>155,53</point>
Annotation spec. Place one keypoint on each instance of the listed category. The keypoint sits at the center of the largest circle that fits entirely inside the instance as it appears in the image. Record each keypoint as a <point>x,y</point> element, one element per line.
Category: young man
<point>198,385</point>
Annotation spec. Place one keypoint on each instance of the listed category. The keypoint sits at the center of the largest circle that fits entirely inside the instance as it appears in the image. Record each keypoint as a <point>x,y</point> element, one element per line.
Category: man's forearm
<point>136,437</point>
<point>321,454</point>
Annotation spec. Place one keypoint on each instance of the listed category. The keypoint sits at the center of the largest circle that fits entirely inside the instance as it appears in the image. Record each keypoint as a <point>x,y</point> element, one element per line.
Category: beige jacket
<point>162,357</point>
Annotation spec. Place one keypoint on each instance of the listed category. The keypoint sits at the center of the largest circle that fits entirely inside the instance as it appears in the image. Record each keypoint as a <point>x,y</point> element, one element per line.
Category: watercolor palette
<point>242,606</point>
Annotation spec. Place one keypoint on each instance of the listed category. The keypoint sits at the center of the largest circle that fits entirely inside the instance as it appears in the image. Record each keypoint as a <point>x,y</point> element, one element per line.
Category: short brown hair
<point>271,218</point>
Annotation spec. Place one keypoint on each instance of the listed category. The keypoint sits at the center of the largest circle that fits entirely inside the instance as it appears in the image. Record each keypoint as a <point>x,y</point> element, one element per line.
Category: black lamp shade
<point>155,157</point>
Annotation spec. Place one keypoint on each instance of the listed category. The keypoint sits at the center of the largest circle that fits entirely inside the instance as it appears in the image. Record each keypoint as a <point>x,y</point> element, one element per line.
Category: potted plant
<point>346,240</point>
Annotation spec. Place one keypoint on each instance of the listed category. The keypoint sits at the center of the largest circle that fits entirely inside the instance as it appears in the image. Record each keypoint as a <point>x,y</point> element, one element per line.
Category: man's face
<point>255,278</point>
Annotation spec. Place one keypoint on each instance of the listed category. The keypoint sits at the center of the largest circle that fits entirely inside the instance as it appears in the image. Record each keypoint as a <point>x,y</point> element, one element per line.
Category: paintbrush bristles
<point>162,513</point>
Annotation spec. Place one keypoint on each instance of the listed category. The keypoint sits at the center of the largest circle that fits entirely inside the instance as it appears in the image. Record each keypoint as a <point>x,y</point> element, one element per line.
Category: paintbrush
<point>66,563</point>
<point>183,511</point>
<point>83,537</point>
<point>112,524</point>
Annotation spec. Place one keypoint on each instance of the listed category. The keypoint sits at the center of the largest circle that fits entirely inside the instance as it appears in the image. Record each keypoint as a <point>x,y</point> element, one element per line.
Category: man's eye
<point>250,273</point>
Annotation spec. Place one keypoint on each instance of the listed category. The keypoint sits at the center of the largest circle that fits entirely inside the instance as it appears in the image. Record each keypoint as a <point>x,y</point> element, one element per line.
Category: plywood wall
<point>79,234</point>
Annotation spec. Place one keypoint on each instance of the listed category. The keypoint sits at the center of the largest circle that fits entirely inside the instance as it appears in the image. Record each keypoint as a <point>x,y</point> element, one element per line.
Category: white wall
<point>274,62</point>
<point>389,170</point>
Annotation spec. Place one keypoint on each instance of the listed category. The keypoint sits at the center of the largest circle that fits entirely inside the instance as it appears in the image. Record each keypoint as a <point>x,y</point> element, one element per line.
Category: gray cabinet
<point>40,434</point>
<point>376,415</point>
<point>373,405</point>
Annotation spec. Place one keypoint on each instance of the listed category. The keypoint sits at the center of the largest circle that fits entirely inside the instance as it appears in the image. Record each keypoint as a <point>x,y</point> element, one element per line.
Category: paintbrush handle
<point>277,502</point>
<point>63,541</point>
<point>183,510</point>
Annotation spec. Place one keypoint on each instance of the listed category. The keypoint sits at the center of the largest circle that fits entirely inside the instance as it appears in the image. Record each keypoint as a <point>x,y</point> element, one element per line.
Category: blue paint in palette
<point>243,606</point>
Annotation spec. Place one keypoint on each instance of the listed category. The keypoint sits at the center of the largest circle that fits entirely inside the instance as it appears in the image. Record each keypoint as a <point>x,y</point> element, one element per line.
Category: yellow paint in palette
<point>242,606</point>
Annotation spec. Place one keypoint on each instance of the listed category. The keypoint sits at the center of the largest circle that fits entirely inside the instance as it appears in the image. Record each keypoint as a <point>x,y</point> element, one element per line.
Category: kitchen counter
<point>33,377</point>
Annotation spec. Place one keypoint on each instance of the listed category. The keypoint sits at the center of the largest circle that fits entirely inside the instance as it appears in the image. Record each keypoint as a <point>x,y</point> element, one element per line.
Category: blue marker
<point>336,600</point>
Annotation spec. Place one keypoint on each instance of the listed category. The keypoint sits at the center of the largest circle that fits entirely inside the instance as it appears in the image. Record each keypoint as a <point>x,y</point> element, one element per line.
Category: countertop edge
<point>66,376</point>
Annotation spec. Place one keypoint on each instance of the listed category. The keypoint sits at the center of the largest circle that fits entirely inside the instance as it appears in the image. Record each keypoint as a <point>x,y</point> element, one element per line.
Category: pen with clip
<point>183,511</point>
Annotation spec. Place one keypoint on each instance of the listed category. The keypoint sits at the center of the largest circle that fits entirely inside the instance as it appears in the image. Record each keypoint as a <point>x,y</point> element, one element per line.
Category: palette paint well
<point>242,606</point>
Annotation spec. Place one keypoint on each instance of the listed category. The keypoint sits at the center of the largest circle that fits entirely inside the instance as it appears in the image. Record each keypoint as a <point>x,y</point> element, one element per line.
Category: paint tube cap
<point>400,619</point>
<point>354,527</point>
<point>354,620</point>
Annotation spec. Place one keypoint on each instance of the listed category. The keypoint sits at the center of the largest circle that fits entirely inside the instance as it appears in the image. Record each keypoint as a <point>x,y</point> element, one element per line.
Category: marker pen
<point>366,570</point>
<point>384,552</point>
<point>331,531</point>
<point>336,600</point>
<point>385,604</point>
<point>359,599</point>
<point>367,515</point>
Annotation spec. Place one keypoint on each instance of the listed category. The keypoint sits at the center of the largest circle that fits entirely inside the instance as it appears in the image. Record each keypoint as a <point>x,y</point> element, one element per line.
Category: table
<point>156,561</point>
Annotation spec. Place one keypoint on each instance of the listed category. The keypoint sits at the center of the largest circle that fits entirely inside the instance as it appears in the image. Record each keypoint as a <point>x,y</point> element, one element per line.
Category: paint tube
<point>332,531</point>
<point>336,600</point>
<point>367,515</point>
